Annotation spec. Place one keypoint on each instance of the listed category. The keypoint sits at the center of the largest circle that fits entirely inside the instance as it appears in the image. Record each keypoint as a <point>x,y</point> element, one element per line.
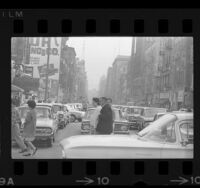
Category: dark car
<point>140,117</point>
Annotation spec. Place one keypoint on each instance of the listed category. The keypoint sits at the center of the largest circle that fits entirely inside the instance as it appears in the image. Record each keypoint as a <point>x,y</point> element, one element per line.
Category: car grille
<point>85,126</point>
<point>43,131</point>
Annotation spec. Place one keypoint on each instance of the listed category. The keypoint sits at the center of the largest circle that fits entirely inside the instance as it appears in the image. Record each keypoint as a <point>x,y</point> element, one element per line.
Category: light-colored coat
<point>30,124</point>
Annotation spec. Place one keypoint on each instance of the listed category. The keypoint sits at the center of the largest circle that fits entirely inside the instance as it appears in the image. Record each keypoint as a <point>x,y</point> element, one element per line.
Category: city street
<point>53,152</point>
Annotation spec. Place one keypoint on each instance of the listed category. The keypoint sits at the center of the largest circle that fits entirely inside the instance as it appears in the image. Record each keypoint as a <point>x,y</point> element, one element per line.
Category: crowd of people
<point>101,120</point>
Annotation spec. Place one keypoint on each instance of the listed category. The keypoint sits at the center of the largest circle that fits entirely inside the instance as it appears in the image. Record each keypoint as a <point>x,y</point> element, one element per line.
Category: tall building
<point>116,82</point>
<point>81,81</point>
<point>176,72</point>
<point>135,74</point>
<point>68,73</point>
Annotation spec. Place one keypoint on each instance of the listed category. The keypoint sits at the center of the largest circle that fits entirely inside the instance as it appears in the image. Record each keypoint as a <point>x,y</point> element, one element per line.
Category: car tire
<point>50,142</point>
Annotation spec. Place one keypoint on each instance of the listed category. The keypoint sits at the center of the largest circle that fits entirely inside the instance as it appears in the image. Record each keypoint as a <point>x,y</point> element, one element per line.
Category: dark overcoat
<point>105,123</point>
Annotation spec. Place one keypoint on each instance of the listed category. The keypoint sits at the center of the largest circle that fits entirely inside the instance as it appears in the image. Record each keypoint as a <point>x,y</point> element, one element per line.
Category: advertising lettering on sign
<point>40,48</point>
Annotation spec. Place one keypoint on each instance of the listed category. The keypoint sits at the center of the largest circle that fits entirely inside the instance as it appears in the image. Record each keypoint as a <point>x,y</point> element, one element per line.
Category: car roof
<point>48,107</point>
<point>44,104</point>
<point>183,115</point>
<point>60,104</point>
<point>161,113</point>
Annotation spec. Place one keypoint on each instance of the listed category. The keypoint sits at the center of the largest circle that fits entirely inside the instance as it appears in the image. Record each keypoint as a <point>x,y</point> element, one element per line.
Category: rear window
<point>57,108</point>
<point>88,114</point>
<point>151,112</point>
<point>134,110</point>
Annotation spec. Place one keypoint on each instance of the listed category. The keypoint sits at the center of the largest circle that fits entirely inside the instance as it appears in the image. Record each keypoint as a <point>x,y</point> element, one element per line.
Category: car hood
<point>106,141</point>
<point>133,115</point>
<point>44,122</point>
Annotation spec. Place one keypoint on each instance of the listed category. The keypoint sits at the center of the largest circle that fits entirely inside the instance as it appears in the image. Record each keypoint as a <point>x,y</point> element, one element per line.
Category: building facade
<point>116,82</point>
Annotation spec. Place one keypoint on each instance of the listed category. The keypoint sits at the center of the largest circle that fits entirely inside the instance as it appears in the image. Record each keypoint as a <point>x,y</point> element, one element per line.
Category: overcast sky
<point>99,53</point>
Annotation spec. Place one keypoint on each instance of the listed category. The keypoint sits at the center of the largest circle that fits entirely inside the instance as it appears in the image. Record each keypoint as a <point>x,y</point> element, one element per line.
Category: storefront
<point>164,100</point>
<point>180,100</point>
<point>17,93</point>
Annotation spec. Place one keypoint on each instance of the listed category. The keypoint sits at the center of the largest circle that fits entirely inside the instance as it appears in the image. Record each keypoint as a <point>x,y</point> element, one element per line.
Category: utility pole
<point>47,69</point>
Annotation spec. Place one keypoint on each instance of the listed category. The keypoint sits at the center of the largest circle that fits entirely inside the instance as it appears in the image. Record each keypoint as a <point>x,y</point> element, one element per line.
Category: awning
<point>16,89</point>
<point>164,101</point>
<point>26,83</point>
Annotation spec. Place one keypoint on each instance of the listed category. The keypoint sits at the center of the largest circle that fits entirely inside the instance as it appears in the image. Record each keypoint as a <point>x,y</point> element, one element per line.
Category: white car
<point>74,114</point>
<point>46,126</point>
<point>171,136</point>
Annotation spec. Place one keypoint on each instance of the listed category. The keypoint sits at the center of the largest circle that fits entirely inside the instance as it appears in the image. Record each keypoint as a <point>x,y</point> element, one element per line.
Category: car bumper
<point>43,138</point>
<point>121,132</point>
<point>85,131</point>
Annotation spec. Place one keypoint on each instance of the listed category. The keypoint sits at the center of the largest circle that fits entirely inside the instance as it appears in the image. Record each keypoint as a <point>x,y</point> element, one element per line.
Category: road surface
<point>53,152</point>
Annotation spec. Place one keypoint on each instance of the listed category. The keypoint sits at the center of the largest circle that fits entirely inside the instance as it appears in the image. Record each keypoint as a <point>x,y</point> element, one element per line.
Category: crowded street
<point>130,98</point>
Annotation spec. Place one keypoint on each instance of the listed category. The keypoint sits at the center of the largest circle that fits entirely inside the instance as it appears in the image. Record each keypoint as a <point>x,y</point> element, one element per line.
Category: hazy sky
<point>99,53</point>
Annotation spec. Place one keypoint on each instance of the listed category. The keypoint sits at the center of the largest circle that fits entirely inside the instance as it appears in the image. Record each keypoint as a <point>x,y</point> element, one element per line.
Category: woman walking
<point>16,121</point>
<point>29,127</point>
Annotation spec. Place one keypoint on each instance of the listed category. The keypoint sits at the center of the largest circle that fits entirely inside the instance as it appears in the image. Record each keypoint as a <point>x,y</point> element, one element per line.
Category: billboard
<point>40,48</point>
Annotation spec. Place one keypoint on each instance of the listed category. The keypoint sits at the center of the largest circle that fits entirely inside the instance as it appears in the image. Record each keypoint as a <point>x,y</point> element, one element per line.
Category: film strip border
<point>114,26</point>
<point>114,172</point>
<point>106,23</point>
<point>111,22</point>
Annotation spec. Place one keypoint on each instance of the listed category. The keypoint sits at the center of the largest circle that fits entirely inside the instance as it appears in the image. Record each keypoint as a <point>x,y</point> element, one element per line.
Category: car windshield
<point>158,130</point>
<point>151,112</point>
<point>40,112</point>
<point>57,108</point>
<point>89,113</point>
<point>134,110</point>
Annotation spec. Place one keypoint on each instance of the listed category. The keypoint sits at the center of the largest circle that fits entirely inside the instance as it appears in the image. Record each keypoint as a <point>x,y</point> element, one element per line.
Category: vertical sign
<point>38,56</point>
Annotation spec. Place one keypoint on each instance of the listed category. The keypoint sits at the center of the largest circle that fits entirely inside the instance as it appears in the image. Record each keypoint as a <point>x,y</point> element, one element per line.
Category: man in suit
<point>105,123</point>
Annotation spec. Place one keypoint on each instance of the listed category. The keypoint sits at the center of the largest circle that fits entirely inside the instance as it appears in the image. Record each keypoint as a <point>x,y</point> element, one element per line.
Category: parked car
<point>74,114</point>
<point>142,116</point>
<point>171,136</point>
<point>120,125</point>
<point>62,119</point>
<point>131,113</point>
<point>46,126</point>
